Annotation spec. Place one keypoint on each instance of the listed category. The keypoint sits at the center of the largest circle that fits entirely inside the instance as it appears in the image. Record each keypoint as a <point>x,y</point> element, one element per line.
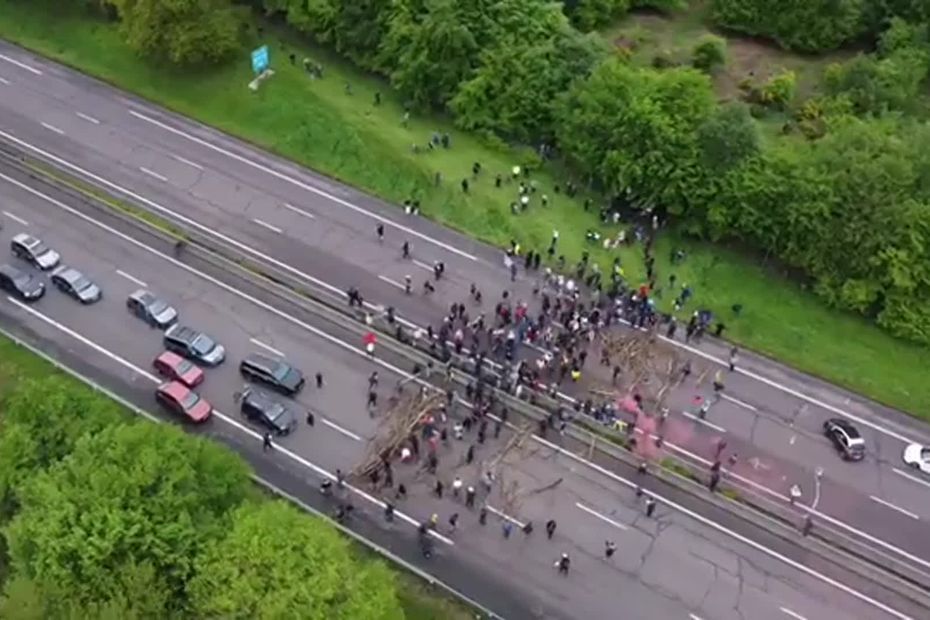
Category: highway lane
<point>182,168</point>
<point>667,548</point>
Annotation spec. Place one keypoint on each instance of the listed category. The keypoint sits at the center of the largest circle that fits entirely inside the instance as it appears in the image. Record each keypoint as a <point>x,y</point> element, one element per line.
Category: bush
<point>778,92</point>
<point>709,53</point>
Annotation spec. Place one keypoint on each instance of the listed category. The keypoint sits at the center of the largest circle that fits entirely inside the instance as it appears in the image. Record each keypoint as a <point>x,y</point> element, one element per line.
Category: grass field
<point>420,601</point>
<point>320,124</point>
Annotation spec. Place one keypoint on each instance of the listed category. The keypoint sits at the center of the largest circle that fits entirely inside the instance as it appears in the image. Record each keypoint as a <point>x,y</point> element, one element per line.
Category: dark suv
<point>259,407</point>
<point>276,374</point>
<point>24,285</point>
<point>194,345</point>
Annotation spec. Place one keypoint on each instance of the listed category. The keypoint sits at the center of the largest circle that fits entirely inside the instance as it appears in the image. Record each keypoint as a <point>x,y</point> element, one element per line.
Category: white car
<point>918,457</point>
<point>34,251</point>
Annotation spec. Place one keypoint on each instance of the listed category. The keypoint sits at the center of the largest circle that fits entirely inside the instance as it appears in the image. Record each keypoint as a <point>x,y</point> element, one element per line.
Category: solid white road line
<point>907,513</point>
<point>305,214</point>
<point>302,185</point>
<point>259,343</point>
<point>910,477</point>
<point>360,352</point>
<point>154,175</point>
<point>504,516</point>
<point>265,224</point>
<point>834,521</point>
<point>697,419</point>
<point>16,218</point>
<point>183,160</point>
<point>53,129</point>
<point>4,81</point>
<point>793,614</point>
<point>737,401</point>
<point>21,65</point>
<point>693,617</point>
<point>339,429</point>
<point>422,265</point>
<point>216,413</point>
<point>132,278</point>
<point>392,282</point>
<point>89,119</point>
<point>603,518</point>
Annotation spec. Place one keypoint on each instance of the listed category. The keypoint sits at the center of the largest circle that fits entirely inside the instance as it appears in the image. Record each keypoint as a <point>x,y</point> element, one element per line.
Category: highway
<point>676,564</point>
<point>323,231</point>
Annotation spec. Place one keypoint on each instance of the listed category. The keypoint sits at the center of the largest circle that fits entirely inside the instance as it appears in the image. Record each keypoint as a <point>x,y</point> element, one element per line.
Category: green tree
<point>43,420</point>
<point>635,129</point>
<point>804,25</point>
<point>709,53</point>
<point>728,137</point>
<point>274,562</point>
<point>180,31</point>
<point>778,92</point>
<point>128,497</point>
<point>515,89</point>
<point>590,14</point>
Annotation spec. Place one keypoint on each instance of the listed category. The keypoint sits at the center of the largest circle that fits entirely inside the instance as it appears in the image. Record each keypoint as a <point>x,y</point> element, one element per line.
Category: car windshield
<point>274,412</point>
<point>22,279</point>
<point>191,399</point>
<point>39,249</point>
<point>203,344</point>
<point>81,283</point>
<point>281,371</point>
<point>156,306</point>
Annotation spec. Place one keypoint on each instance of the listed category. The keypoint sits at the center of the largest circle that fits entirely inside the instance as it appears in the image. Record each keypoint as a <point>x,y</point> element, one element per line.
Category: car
<point>74,283</point>
<point>176,368</point>
<point>184,401</point>
<point>32,249</point>
<point>24,285</point>
<point>918,457</point>
<point>259,407</point>
<point>276,374</point>
<point>151,309</point>
<point>846,438</point>
<point>194,345</point>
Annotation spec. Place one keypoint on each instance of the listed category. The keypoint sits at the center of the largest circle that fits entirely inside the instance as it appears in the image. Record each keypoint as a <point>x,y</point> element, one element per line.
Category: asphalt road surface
<point>325,231</point>
<point>672,565</point>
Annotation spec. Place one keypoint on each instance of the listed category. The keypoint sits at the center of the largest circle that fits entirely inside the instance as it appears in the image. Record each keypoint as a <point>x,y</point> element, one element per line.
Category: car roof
<point>175,389</point>
<point>143,295</point>
<point>260,399</point>
<point>182,331</point>
<point>847,426</point>
<point>170,357</point>
<point>68,273</point>
<point>26,239</point>
<point>258,359</point>
<point>11,271</point>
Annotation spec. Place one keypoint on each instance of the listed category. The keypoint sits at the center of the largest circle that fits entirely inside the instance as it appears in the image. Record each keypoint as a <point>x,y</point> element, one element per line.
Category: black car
<point>154,311</point>
<point>24,285</point>
<point>194,345</point>
<point>277,374</point>
<point>846,438</point>
<point>259,407</point>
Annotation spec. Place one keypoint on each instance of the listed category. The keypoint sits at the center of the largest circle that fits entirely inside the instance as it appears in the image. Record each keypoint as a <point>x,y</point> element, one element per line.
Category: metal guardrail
<point>585,436</point>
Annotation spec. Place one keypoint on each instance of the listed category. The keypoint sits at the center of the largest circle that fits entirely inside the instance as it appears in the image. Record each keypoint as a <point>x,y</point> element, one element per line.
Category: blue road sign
<point>260,59</point>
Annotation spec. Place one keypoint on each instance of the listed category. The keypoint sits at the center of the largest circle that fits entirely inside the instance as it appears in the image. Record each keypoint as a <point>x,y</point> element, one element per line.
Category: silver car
<point>74,283</point>
<point>151,309</point>
<point>32,249</point>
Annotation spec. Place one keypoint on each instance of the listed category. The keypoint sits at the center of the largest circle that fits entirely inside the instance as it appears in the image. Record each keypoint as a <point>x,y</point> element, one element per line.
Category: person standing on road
<point>734,353</point>
<point>380,231</point>
<point>550,528</point>
<point>563,564</point>
<point>438,489</point>
<point>405,249</point>
<point>373,380</point>
<point>453,522</point>
<point>310,418</point>
<point>408,284</point>
<point>266,442</point>
<point>610,547</point>
<point>650,506</point>
<point>319,380</point>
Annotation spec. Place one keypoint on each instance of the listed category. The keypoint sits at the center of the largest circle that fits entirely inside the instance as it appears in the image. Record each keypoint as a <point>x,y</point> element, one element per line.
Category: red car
<point>175,368</point>
<point>182,400</point>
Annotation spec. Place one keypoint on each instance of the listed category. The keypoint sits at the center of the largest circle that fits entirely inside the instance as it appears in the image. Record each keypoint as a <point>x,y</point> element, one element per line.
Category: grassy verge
<point>320,124</point>
<point>420,600</point>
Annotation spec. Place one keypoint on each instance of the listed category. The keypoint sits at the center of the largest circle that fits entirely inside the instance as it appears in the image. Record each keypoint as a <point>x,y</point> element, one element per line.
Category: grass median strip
<point>348,137</point>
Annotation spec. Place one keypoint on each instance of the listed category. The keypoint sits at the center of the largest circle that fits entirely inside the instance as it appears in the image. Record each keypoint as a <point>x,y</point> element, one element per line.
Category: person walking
<point>453,522</point>
<point>734,353</point>
<point>438,489</point>
<point>456,487</point>
<point>266,442</point>
<point>380,231</point>
<point>506,528</point>
<point>550,528</point>
<point>650,506</point>
<point>319,381</point>
<point>470,497</point>
<point>310,418</point>
<point>563,564</point>
<point>405,250</point>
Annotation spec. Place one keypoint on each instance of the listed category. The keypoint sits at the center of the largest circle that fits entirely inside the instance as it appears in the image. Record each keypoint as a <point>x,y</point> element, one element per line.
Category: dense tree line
<point>106,517</point>
<point>524,71</point>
